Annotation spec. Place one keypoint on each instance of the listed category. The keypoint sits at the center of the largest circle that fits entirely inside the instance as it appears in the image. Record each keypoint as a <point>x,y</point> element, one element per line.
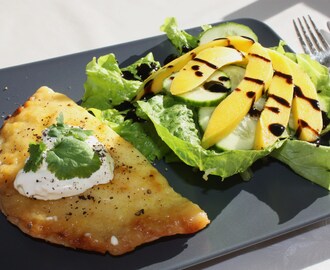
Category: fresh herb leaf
<point>79,133</point>
<point>71,158</point>
<point>60,130</point>
<point>36,157</point>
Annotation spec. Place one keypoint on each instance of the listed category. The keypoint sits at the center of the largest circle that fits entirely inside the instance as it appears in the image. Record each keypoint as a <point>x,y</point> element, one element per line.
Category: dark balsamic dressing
<point>303,124</point>
<point>130,111</point>
<point>257,81</point>
<point>273,109</point>
<point>199,73</point>
<point>287,77</point>
<point>185,49</point>
<point>128,75</point>
<point>325,138</point>
<point>276,129</point>
<point>205,62</point>
<point>253,112</point>
<point>223,78</point>
<point>143,71</point>
<point>313,102</point>
<point>260,57</point>
<point>280,100</point>
<point>216,87</point>
<point>326,119</point>
<point>147,87</point>
<point>250,94</point>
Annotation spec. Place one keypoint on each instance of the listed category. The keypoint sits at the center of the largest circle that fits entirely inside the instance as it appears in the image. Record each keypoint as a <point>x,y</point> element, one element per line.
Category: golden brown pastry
<point>136,207</point>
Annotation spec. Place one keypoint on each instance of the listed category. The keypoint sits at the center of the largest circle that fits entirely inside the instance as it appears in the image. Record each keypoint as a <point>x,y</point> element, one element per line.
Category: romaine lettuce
<point>175,125</point>
<point>106,86</point>
<point>141,134</point>
<point>306,159</point>
<point>180,39</point>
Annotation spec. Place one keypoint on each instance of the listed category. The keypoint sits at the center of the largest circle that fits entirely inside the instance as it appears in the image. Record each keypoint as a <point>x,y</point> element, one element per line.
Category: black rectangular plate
<point>276,201</point>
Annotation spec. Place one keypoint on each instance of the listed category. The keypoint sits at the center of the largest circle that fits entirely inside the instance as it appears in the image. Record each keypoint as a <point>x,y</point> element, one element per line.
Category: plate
<point>275,202</point>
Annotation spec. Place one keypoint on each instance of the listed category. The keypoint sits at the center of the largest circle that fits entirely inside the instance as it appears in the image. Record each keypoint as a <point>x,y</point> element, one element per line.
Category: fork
<point>312,41</point>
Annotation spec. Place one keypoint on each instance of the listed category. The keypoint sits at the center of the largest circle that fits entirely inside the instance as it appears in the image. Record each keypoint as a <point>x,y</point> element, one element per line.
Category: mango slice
<point>306,110</point>
<point>154,83</point>
<point>232,110</point>
<point>276,113</point>
<point>201,67</point>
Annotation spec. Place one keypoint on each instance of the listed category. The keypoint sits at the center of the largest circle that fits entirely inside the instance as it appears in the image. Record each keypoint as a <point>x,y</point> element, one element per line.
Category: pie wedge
<point>136,207</point>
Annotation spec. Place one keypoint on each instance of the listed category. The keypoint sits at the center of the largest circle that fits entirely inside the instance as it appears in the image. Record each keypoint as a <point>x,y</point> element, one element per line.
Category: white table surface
<point>33,30</point>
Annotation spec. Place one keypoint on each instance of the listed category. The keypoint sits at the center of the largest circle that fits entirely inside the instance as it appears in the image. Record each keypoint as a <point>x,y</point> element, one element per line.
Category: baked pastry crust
<point>136,207</point>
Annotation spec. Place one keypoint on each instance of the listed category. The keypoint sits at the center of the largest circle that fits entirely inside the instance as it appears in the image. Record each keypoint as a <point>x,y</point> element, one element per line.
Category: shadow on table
<point>285,256</point>
<point>268,8</point>
<point>273,184</point>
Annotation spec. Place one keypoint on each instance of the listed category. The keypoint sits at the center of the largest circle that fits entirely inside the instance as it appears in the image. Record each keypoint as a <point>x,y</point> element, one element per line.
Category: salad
<point>180,114</point>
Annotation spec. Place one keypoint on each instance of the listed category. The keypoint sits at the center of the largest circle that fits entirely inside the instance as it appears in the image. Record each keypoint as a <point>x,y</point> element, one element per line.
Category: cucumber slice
<point>210,93</point>
<point>227,29</point>
<point>242,137</point>
<point>235,74</point>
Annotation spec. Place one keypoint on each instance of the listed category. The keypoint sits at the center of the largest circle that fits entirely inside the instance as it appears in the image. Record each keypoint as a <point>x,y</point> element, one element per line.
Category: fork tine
<point>311,34</point>
<point>312,41</point>
<point>318,33</point>
<point>301,40</point>
<point>308,40</point>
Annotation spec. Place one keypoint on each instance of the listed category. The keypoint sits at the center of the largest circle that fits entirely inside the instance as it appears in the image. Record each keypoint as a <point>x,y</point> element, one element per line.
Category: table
<point>34,30</point>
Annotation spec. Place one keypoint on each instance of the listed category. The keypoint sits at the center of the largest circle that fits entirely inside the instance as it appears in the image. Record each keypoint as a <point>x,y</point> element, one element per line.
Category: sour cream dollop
<point>44,185</point>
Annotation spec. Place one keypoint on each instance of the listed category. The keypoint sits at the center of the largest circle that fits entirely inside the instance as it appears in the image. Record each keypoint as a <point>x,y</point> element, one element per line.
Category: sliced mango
<point>153,84</point>
<point>276,113</point>
<point>232,110</point>
<point>201,67</point>
<point>306,110</point>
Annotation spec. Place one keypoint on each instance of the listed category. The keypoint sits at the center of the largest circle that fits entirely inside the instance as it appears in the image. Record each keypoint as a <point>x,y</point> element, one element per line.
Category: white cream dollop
<point>44,185</point>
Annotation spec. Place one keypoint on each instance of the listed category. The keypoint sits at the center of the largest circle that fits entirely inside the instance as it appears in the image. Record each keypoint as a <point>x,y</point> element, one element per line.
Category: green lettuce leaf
<point>109,91</point>
<point>141,134</point>
<point>180,39</point>
<point>142,68</point>
<point>175,125</point>
<point>308,160</point>
<point>106,85</point>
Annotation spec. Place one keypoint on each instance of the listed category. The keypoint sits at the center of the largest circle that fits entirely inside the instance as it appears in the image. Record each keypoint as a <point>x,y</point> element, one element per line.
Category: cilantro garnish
<point>60,130</point>
<point>71,156</point>
<point>36,158</point>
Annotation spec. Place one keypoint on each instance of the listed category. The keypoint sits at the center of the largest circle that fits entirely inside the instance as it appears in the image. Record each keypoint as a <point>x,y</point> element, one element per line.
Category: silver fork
<point>312,41</point>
